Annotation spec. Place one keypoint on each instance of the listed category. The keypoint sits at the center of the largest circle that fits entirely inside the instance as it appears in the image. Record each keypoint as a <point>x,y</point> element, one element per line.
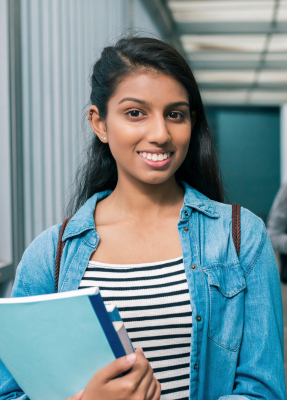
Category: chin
<point>155,180</point>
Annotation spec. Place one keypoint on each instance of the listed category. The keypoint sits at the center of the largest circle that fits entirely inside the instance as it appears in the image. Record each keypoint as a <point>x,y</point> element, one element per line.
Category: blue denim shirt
<point>237,344</point>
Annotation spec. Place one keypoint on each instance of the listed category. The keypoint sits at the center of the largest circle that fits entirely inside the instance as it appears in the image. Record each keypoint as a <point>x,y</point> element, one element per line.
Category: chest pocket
<point>226,290</point>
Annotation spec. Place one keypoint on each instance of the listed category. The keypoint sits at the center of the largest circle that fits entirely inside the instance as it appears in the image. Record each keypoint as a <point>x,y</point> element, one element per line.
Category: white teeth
<point>154,156</point>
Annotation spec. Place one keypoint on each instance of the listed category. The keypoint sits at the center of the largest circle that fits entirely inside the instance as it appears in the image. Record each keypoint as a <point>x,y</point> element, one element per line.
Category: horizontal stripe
<point>156,333</point>
<point>113,279</point>
<point>166,347</point>
<point>156,313</point>
<point>168,357</point>
<point>173,361</point>
<point>161,337</point>
<point>151,267</point>
<point>152,317</point>
<point>158,286</point>
<point>163,353</point>
<point>159,322</point>
<point>155,303</point>
<point>170,384</point>
<point>170,367</point>
<point>147,296</point>
<point>143,328</point>
<point>143,291</point>
<point>173,373</point>
<point>155,342</point>
<point>138,283</point>
<point>128,273</point>
<point>152,307</point>
<point>176,389</point>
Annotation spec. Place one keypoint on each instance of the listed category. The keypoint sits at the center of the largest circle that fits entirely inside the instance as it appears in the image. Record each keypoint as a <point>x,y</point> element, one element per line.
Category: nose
<point>158,131</point>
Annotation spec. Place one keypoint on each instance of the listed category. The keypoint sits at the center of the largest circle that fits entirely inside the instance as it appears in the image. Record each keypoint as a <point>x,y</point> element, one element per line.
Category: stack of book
<point>53,344</point>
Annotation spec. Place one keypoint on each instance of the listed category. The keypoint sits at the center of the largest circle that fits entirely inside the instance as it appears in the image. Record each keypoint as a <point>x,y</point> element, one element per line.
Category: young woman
<point>149,227</point>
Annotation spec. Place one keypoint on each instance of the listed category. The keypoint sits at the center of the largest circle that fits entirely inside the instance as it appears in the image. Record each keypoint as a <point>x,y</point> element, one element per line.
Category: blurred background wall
<point>60,41</point>
<point>236,48</point>
<point>247,140</point>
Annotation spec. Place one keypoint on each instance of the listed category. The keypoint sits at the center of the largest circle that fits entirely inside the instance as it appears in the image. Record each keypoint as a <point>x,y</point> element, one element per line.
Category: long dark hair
<point>200,168</point>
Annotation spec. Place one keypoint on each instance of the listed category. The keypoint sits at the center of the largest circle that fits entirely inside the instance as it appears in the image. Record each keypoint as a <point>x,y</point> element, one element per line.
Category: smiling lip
<point>156,164</point>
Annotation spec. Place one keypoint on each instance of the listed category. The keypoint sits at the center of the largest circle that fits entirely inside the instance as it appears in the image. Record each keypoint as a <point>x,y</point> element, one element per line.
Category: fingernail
<point>139,348</point>
<point>131,358</point>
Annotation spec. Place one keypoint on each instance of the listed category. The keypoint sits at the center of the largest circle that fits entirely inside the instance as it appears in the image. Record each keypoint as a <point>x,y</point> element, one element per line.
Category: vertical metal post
<point>14,18</point>
<point>131,15</point>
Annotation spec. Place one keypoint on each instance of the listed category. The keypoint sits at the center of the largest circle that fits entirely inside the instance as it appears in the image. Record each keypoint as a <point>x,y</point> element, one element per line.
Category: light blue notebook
<point>53,344</point>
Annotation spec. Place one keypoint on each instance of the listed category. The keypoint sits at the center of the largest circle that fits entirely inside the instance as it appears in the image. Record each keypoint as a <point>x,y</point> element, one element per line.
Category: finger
<point>130,382</point>
<point>151,389</point>
<point>77,396</point>
<point>139,369</point>
<point>157,394</point>
<point>139,350</point>
<point>117,367</point>
<point>147,386</point>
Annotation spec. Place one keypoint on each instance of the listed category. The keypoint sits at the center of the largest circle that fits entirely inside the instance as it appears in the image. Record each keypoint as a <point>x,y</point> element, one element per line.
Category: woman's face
<point>148,126</point>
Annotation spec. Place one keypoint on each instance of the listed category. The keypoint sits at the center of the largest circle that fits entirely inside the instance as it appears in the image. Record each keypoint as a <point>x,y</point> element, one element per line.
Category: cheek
<point>122,139</point>
<point>182,140</point>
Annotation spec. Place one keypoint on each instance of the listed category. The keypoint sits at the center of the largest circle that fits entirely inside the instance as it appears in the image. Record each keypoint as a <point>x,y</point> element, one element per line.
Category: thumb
<point>117,367</point>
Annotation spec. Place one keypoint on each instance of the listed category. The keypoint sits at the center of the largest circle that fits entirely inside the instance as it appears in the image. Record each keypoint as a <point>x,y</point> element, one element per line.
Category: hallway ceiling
<point>237,49</point>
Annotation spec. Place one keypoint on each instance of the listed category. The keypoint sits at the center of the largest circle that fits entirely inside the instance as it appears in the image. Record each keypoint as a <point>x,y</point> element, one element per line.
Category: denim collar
<point>83,220</point>
<point>194,199</point>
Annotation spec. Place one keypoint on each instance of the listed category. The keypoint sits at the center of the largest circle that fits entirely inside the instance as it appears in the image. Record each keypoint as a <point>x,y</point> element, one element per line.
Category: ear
<point>97,123</point>
<point>193,119</point>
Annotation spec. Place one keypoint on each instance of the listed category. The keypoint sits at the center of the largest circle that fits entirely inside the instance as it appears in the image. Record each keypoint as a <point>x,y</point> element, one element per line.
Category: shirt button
<point>185,229</point>
<point>193,267</point>
<point>186,213</point>
<point>195,366</point>
<point>198,318</point>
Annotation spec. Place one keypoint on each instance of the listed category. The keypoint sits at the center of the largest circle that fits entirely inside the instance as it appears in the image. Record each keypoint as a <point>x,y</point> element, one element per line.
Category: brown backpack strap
<point>60,248</point>
<point>236,226</point>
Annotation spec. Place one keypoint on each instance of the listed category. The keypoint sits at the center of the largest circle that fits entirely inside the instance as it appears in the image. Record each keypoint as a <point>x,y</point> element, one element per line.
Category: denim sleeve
<point>260,368</point>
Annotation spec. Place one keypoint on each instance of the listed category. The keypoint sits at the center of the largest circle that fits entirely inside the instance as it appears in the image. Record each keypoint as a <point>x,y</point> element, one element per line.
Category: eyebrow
<point>177,103</point>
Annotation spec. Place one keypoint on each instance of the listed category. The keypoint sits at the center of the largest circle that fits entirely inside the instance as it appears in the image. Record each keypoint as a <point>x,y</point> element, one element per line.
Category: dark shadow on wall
<point>247,141</point>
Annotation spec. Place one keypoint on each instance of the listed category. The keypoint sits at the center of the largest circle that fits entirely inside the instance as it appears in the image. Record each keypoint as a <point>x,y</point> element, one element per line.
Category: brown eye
<point>135,113</point>
<point>175,115</point>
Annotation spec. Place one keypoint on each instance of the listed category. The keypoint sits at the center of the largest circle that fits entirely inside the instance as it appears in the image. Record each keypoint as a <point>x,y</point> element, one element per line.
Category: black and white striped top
<point>153,301</point>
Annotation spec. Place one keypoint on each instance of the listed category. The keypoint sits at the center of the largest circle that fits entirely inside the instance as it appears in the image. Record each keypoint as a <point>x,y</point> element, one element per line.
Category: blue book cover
<point>53,344</point>
<point>113,312</point>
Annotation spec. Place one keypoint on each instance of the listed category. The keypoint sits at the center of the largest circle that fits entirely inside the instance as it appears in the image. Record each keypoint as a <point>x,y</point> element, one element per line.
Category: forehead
<point>151,86</point>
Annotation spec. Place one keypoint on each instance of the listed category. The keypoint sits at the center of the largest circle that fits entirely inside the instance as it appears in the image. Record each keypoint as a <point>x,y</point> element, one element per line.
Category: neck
<point>136,199</point>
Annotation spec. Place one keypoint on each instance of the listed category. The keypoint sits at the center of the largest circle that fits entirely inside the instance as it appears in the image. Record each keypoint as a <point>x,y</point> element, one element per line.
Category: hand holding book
<point>107,384</point>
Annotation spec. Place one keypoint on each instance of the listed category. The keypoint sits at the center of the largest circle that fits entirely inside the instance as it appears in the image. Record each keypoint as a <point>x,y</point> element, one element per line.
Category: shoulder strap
<point>60,248</point>
<point>236,226</point>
